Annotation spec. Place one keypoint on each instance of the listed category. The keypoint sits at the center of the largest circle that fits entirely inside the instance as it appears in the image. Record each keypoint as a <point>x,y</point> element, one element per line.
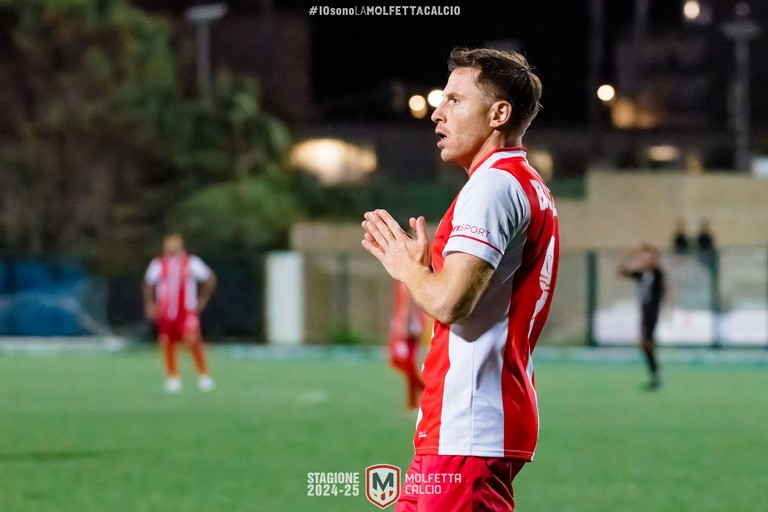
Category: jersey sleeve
<point>491,210</point>
<point>152,275</point>
<point>199,269</point>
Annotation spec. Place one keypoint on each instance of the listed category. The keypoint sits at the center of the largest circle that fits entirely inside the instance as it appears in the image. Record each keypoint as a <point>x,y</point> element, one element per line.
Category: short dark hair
<point>504,75</point>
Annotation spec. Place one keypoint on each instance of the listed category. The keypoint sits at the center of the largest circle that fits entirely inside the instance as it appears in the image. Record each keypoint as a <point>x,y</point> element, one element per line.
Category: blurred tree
<point>227,136</point>
<point>239,215</point>
<point>99,138</point>
<point>236,193</point>
<point>84,81</point>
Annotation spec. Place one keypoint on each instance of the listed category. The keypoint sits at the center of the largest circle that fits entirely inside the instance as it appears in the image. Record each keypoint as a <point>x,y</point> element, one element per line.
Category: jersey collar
<point>515,152</point>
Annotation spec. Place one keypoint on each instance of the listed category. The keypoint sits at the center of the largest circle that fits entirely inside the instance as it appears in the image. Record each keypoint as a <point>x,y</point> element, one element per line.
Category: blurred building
<point>680,89</point>
<point>671,66</point>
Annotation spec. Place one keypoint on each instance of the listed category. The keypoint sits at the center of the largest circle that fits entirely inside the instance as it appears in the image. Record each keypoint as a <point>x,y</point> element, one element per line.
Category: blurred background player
<point>643,266</point>
<point>705,246</point>
<point>680,238</point>
<point>405,332</point>
<point>172,300</point>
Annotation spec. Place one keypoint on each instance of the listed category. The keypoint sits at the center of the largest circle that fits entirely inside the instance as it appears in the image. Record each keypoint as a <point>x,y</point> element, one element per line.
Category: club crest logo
<point>382,484</point>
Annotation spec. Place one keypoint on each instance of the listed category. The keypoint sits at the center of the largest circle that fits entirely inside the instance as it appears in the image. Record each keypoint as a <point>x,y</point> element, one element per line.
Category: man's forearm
<point>450,295</point>
<point>206,291</point>
<point>148,294</point>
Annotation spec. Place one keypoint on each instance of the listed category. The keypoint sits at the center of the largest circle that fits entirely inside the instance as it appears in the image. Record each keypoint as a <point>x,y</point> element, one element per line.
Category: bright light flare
<point>606,92</point>
<point>664,153</point>
<point>418,105</point>
<point>333,161</point>
<point>435,97</point>
<point>691,9</point>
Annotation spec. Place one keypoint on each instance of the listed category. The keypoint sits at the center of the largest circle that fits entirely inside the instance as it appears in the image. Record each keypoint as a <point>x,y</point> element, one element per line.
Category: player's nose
<point>438,115</point>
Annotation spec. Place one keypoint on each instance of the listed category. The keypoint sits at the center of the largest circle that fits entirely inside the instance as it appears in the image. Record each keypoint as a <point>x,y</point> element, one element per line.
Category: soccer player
<point>173,301</point>
<point>643,266</point>
<point>487,280</point>
<point>405,331</point>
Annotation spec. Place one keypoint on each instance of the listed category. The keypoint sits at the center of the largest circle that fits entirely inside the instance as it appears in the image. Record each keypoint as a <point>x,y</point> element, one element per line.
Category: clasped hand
<point>398,252</point>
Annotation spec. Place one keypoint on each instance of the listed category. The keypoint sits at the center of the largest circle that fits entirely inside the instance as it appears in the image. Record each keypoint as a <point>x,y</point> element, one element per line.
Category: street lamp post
<point>202,16</point>
<point>741,31</point>
<point>596,55</point>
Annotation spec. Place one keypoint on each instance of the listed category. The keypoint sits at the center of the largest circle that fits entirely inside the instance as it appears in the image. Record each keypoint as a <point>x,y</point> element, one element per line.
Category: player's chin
<point>446,155</point>
<point>451,153</point>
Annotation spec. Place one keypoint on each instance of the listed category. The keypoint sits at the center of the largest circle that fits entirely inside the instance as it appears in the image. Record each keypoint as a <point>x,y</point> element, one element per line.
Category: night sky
<point>352,54</point>
<point>355,55</point>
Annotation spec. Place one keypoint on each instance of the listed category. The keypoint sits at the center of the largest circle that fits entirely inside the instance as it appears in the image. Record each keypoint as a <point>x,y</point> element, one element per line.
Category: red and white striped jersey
<point>480,398</point>
<point>175,279</point>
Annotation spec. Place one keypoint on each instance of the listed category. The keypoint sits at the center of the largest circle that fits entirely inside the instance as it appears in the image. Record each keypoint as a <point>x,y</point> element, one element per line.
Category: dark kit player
<point>643,266</point>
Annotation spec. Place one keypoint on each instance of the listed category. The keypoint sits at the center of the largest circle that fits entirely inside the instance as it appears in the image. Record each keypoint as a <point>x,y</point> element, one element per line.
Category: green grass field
<point>93,431</point>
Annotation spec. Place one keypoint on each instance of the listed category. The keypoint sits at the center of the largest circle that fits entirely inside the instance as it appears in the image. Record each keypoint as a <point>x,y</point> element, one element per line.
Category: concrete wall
<point>623,209</point>
<point>620,210</point>
<point>343,283</point>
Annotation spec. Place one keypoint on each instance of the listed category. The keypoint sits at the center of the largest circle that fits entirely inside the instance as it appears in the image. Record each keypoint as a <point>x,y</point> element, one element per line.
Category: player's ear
<point>501,113</point>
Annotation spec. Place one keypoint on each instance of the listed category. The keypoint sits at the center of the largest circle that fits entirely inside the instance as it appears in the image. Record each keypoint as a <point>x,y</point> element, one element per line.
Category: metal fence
<point>347,297</point>
<point>719,300</point>
<point>718,304</point>
<point>235,312</point>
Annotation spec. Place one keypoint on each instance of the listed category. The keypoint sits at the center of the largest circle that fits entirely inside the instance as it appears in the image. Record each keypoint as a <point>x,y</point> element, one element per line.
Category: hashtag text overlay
<point>386,10</point>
